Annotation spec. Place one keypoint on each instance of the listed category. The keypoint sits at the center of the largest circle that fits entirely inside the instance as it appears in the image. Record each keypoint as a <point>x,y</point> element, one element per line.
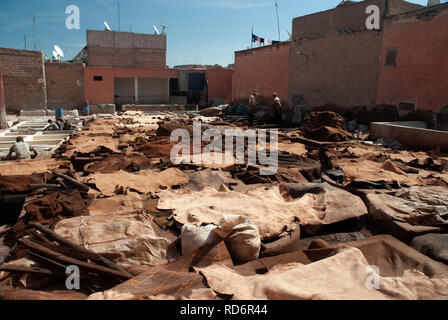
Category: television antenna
<point>289,34</point>
<point>278,21</point>
<point>157,30</point>
<point>107,26</point>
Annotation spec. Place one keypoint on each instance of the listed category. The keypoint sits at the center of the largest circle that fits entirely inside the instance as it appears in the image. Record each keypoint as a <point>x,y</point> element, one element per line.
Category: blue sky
<point>199,31</point>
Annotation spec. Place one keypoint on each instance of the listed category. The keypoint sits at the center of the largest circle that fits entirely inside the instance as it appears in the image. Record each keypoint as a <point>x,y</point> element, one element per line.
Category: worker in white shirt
<point>276,109</point>
<point>21,150</point>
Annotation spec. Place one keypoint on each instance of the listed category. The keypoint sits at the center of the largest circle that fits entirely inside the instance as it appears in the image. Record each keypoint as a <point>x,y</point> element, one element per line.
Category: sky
<point>199,31</point>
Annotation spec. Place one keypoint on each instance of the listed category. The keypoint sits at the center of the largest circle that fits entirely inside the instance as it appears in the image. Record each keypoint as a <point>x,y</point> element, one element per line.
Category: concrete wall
<point>420,76</point>
<point>126,50</point>
<point>99,92</point>
<point>153,90</point>
<point>418,138</point>
<point>264,69</point>
<point>23,79</point>
<point>219,84</point>
<point>65,84</point>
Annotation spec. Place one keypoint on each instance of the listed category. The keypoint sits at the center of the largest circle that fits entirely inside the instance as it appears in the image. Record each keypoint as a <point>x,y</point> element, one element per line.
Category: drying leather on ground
<point>86,145</point>
<point>211,112</point>
<point>294,169</point>
<point>25,294</point>
<point>271,209</point>
<point>433,245</point>
<point>319,119</point>
<point>26,167</point>
<point>172,279</point>
<point>156,147</point>
<point>126,162</point>
<point>292,148</point>
<point>426,206</point>
<point>167,127</point>
<point>209,178</point>
<point>98,127</point>
<point>130,203</point>
<point>124,238</point>
<point>342,276</point>
<point>391,256</point>
<point>19,183</point>
<point>325,126</point>
<point>328,134</point>
<point>145,181</point>
<point>55,206</point>
<point>362,169</point>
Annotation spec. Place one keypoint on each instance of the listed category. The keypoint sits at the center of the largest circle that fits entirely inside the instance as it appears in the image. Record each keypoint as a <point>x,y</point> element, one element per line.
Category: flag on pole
<point>260,40</point>
<point>256,38</point>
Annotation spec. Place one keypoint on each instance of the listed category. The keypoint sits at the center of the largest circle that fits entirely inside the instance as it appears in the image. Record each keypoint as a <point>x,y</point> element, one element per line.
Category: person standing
<point>276,109</point>
<point>21,150</point>
<point>252,104</point>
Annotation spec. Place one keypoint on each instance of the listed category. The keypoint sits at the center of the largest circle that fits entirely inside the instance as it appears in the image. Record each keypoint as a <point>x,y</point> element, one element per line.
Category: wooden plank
<point>31,270</point>
<point>79,185</point>
<point>40,237</point>
<point>71,261</point>
<point>91,255</point>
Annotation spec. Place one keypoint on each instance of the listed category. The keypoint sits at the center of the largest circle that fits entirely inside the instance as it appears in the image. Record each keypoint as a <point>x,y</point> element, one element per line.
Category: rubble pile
<point>113,203</point>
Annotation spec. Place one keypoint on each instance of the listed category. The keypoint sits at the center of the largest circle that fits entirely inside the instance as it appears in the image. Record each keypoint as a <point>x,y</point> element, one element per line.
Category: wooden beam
<point>79,185</point>
<point>71,261</point>
<point>90,254</point>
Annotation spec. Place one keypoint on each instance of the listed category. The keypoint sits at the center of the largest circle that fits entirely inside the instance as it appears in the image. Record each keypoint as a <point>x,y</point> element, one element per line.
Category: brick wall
<point>420,74</point>
<point>65,84</point>
<point>126,50</point>
<point>219,84</point>
<point>23,79</point>
<point>264,69</point>
<point>335,59</point>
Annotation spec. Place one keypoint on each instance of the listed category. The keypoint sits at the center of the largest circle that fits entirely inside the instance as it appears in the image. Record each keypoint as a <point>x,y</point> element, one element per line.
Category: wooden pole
<point>91,255</point>
<point>73,182</point>
<point>71,261</point>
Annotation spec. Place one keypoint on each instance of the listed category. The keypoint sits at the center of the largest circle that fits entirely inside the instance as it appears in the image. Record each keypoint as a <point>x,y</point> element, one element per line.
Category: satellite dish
<point>157,30</point>
<point>55,55</point>
<point>59,51</point>
<point>107,26</point>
